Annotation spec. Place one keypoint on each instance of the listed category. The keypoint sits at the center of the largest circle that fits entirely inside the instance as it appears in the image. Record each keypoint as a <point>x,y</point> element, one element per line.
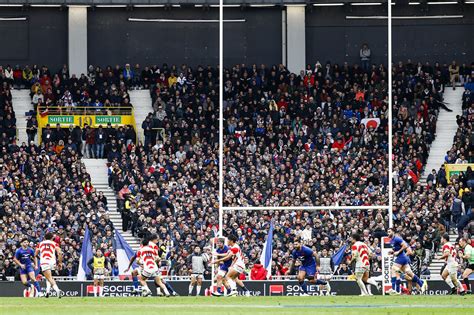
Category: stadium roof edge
<point>174,2</point>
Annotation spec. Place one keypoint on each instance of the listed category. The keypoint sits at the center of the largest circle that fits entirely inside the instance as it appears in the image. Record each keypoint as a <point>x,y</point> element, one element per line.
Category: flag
<point>86,255</point>
<point>124,252</point>
<point>338,256</point>
<point>413,176</point>
<point>266,256</point>
<point>370,122</point>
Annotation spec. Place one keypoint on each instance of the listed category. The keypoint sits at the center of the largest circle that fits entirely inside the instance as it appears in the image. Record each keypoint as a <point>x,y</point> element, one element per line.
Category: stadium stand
<point>44,189</point>
<point>317,138</point>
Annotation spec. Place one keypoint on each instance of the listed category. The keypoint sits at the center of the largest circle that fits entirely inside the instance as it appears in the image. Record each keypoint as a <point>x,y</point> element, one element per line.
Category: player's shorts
<point>310,270</point>
<point>197,275</point>
<point>402,260</point>
<point>99,274</point>
<point>452,269</point>
<point>361,269</point>
<point>27,270</point>
<point>150,273</point>
<point>222,272</point>
<point>470,266</point>
<point>45,266</point>
<point>238,268</point>
<point>139,270</point>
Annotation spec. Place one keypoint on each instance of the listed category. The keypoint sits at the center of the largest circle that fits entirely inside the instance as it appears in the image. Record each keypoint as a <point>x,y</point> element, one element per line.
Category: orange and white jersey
<point>47,250</point>
<point>451,250</point>
<point>361,253</point>
<point>238,257</point>
<point>147,255</point>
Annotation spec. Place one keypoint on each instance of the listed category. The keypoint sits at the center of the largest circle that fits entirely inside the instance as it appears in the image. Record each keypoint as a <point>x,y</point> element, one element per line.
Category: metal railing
<point>85,110</point>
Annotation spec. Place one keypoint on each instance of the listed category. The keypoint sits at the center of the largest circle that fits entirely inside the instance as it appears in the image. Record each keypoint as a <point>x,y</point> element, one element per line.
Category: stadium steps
<point>97,168</point>
<point>142,104</point>
<point>437,263</point>
<point>446,128</point>
<point>21,102</point>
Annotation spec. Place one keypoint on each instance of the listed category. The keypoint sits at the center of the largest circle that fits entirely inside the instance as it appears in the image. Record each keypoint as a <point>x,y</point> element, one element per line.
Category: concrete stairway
<point>97,168</point>
<point>142,103</point>
<point>445,130</point>
<point>21,102</point>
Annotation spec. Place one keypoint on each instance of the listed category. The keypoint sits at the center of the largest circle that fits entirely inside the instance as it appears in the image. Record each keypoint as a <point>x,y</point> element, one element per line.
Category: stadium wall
<point>113,39</point>
<point>257,40</point>
<point>41,39</point>
<point>257,288</point>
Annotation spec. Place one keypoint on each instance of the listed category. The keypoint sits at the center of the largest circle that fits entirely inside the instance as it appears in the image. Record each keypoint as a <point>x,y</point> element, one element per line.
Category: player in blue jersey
<point>224,266</point>
<point>26,260</point>
<point>401,264</point>
<point>308,268</point>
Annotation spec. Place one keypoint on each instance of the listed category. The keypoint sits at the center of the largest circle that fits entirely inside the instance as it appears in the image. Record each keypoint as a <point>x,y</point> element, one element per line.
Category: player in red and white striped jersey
<point>236,268</point>
<point>361,254</point>
<point>148,256</point>
<point>47,251</point>
<point>450,272</point>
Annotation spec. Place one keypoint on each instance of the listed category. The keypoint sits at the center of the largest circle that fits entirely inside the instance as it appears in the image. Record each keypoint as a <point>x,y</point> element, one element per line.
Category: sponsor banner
<point>256,288</point>
<point>455,169</point>
<point>80,120</point>
<point>387,262</point>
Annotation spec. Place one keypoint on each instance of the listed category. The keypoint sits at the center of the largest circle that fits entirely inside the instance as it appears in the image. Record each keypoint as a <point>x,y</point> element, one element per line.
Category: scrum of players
<point>229,260</point>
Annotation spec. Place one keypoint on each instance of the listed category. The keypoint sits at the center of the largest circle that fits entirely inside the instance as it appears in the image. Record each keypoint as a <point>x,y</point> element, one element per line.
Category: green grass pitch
<point>399,305</point>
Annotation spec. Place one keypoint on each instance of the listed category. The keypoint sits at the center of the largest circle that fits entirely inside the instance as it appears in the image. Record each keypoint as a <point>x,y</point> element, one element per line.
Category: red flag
<point>419,165</point>
<point>413,176</point>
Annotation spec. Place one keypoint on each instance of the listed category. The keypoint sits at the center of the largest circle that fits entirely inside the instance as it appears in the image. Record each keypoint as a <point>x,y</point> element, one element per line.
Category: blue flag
<point>266,256</point>
<point>124,253</point>
<point>338,256</point>
<point>86,255</point>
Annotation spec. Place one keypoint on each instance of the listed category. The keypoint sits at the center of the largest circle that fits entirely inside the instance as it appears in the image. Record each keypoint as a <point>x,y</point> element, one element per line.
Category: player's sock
<point>48,287</point>
<point>198,290</point>
<point>27,284</point>
<point>361,285</point>
<point>191,287</point>
<point>165,290</point>
<point>394,283</point>
<point>169,287</point>
<point>232,285</point>
<point>449,281</point>
<point>101,291</point>
<point>56,289</point>
<point>372,282</point>
<point>458,284</point>
<point>320,282</point>
<point>417,280</point>
<point>95,291</point>
<point>303,286</point>
<point>398,285</point>
<point>37,286</point>
<point>466,282</point>
<point>135,282</point>
<point>368,287</point>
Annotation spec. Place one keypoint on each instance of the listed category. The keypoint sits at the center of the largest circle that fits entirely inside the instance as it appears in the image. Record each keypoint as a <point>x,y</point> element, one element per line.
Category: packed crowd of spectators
<point>46,189</point>
<point>422,213</point>
<point>7,114</point>
<point>169,186</point>
<point>317,138</point>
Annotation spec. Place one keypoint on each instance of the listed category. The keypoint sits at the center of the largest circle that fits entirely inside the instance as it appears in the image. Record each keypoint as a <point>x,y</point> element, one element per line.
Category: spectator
<point>258,272</point>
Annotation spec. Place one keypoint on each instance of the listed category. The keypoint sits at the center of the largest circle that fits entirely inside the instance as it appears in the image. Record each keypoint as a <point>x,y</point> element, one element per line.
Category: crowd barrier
<point>257,288</point>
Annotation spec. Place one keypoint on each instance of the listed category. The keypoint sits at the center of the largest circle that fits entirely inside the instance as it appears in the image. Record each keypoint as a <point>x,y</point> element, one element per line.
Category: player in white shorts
<point>361,254</point>
<point>450,272</point>
<point>47,251</point>
<point>236,268</point>
<point>149,256</point>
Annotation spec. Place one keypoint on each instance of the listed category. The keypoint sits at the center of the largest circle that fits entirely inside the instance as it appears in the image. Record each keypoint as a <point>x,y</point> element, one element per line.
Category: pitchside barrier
<point>257,288</point>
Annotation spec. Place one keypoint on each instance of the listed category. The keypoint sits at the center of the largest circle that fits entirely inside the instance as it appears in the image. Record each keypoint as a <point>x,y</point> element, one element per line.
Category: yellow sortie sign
<point>81,120</point>
<point>455,169</point>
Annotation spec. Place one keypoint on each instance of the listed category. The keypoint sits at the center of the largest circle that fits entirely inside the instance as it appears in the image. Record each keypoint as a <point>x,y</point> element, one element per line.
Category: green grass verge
<point>399,305</point>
